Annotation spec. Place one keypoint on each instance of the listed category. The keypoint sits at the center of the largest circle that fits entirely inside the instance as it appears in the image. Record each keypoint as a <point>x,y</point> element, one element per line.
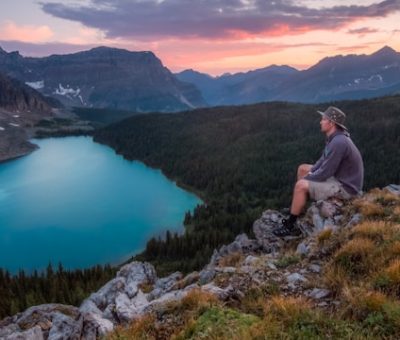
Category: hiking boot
<point>286,229</point>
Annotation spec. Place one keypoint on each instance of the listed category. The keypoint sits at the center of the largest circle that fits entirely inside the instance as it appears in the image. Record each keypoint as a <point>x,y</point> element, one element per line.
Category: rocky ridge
<point>292,264</point>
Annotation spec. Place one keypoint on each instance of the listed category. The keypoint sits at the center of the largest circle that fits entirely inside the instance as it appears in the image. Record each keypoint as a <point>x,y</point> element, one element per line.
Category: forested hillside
<point>243,159</point>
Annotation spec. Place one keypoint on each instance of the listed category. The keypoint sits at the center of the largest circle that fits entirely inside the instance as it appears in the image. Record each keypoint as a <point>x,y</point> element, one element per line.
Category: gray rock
<point>327,209</point>
<point>214,258</point>
<point>94,323</point>
<point>355,219</point>
<point>317,221</point>
<point>8,329</point>
<point>271,265</point>
<point>393,188</point>
<point>251,260</point>
<point>247,269</point>
<point>330,224</point>
<point>274,217</point>
<point>107,294</point>
<point>110,313</point>
<point>338,218</point>
<point>175,295</point>
<point>222,294</point>
<point>263,228</point>
<point>229,270</point>
<point>65,327</point>
<point>88,306</point>
<point>295,278</point>
<point>34,333</point>
<point>319,293</point>
<point>89,331</point>
<point>166,283</point>
<point>42,315</point>
<point>187,281</point>
<point>136,273</point>
<point>124,308</point>
<point>206,275</point>
<point>302,249</point>
<point>315,268</point>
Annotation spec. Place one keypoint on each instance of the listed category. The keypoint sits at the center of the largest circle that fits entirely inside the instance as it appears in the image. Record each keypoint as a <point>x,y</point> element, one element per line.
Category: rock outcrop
<point>293,265</point>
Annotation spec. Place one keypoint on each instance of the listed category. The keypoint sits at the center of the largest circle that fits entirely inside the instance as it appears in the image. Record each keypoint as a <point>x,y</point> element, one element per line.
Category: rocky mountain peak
<point>385,51</point>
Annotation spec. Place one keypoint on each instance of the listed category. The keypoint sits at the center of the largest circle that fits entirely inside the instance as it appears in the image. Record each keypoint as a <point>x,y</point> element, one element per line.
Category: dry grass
<point>286,308</point>
<point>369,209</point>
<point>373,230</point>
<point>194,302</point>
<point>361,302</point>
<point>231,260</point>
<point>335,278</point>
<point>141,329</point>
<point>355,257</point>
<point>394,249</point>
<point>388,280</point>
<point>324,236</point>
<point>146,287</point>
<point>255,298</point>
<point>393,272</point>
<point>385,197</point>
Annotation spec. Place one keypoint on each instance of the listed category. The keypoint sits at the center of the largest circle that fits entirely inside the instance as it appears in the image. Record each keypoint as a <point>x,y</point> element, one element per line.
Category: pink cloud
<point>27,33</point>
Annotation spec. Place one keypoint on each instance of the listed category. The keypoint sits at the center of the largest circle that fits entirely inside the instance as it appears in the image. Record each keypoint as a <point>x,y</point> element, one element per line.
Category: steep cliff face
<point>339,279</point>
<point>104,78</point>
<point>21,107</point>
<point>17,97</point>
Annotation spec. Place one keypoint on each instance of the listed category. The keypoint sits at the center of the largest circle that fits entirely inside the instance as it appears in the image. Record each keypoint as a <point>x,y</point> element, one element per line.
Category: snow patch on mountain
<point>67,91</point>
<point>37,85</point>
<point>185,101</point>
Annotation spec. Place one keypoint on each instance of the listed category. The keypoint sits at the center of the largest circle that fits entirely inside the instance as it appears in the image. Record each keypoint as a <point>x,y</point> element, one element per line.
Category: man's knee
<point>302,185</point>
<point>303,170</point>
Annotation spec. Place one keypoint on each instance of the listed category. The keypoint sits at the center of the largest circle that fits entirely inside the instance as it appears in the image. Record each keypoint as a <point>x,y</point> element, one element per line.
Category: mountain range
<point>118,79</point>
<point>333,78</point>
<point>104,78</point>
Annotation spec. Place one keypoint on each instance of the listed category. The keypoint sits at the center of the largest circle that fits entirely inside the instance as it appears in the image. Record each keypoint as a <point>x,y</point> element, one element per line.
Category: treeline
<point>243,159</point>
<point>54,285</point>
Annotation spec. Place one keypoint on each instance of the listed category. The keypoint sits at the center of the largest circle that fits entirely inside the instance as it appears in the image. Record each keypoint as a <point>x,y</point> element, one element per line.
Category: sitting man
<point>339,171</point>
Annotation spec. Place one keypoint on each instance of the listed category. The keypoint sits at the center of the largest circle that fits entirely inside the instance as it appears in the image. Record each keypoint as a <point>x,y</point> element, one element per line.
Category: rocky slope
<point>104,78</point>
<point>20,108</point>
<point>295,278</point>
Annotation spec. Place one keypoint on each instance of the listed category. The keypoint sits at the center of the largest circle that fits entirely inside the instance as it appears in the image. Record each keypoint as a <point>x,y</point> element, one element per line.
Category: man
<point>339,171</point>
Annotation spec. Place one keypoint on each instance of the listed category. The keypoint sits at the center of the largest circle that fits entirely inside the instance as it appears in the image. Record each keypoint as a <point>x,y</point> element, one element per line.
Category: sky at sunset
<point>212,36</point>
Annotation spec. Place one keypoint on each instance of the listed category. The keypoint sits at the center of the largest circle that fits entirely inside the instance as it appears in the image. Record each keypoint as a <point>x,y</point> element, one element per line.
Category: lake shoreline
<point>115,199</point>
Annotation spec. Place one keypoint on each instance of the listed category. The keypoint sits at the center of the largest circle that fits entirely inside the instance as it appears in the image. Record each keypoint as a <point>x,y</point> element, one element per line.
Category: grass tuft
<point>355,257</point>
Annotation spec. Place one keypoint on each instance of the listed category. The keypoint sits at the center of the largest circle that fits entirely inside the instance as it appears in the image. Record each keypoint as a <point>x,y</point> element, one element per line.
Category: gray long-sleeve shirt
<point>342,160</point>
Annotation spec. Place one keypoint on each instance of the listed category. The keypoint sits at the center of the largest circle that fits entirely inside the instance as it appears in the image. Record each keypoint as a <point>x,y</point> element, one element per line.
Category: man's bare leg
<point>299,199</point>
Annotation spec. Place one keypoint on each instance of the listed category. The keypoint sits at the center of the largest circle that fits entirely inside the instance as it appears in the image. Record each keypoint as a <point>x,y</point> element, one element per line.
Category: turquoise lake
<point>76,202</point>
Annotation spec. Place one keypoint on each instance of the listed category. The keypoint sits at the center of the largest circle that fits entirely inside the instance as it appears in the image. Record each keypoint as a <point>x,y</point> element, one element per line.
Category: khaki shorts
<point>323,190</point>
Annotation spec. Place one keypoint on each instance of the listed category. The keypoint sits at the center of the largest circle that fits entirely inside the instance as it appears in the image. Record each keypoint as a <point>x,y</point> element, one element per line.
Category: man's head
<point>332,119</point>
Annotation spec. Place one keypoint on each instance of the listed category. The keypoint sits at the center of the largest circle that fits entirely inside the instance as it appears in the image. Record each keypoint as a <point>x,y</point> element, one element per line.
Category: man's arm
<point>330,162</point>
<point>316,166</point>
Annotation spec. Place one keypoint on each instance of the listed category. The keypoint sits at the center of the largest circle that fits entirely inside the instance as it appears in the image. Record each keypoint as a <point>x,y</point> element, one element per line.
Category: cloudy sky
<point>213,36</point>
